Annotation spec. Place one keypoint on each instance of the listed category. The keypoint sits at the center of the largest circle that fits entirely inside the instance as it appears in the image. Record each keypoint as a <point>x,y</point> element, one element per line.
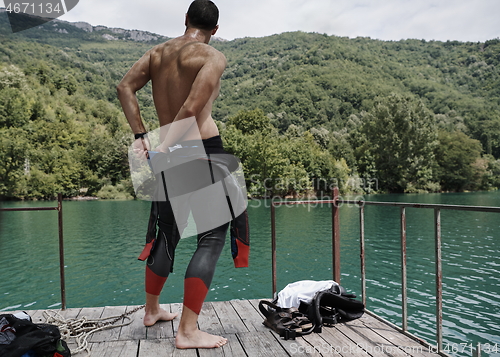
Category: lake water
<point>104,238</point>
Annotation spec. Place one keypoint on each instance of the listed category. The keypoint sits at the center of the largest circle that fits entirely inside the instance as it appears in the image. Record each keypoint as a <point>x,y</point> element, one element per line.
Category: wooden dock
<point>240,321</point>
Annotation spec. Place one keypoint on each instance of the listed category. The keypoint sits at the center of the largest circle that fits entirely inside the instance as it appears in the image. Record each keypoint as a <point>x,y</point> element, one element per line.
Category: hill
<point>400,116</point>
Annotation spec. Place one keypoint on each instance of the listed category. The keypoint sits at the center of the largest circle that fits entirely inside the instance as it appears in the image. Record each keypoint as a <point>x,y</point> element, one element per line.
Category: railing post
<point>477,351</point>
<point>61,251</point>
<point>336,236</point>
<point>273,247</point>
<point>362,251</point>
<point>404,297</point>
<point>439,280</point>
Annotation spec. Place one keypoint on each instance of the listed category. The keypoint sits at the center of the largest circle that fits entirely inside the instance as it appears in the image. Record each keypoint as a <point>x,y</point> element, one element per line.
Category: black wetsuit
<point>161,247</point>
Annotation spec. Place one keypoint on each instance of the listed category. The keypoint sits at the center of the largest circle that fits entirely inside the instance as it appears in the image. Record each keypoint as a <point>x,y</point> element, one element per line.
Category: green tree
<point>14,161</point>
<point>295,163</point>
<point>400,140</point>
<point>459,160</point>
<point>251,122</point>
<point>15,108</point>
<point>267,169</point>
<point>12,77</point>
<point>58,91</point>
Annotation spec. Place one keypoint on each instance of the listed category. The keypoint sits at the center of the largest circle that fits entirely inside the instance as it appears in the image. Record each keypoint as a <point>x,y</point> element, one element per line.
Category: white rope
<point>81,329</point>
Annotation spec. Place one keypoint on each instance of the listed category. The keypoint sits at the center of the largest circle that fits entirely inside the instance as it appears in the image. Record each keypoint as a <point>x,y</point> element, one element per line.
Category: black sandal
<point>287,322</point>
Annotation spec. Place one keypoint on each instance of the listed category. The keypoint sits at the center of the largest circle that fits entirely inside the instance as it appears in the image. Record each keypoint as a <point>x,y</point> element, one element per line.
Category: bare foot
<point>151,317</point>
<point>199,339</point>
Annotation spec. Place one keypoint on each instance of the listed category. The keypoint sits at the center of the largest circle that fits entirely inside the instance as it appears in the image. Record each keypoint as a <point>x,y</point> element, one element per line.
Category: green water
<point>104,238</point>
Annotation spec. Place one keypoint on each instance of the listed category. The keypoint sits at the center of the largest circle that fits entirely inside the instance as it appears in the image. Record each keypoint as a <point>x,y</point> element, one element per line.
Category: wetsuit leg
<point>206,209</point>
<point>201,269</point>
<point>160,261</point>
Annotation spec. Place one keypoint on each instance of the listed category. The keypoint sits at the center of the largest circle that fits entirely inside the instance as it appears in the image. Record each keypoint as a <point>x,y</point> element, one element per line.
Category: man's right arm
<point>135,79</point>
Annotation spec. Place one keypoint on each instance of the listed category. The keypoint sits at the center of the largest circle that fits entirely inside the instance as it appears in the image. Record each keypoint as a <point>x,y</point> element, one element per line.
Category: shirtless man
<point>185,73</point>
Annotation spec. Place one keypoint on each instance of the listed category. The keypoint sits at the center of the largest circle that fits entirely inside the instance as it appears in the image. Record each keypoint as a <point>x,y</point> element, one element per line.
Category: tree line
<point>303,112</point>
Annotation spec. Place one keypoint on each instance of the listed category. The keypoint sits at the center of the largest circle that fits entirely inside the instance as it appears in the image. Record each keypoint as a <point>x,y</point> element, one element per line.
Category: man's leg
<point>160,264</point>
<point>154,312</point>
<point>197,281</point>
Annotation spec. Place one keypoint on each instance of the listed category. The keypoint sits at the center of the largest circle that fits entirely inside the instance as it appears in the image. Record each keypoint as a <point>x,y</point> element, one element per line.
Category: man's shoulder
<point>190,54</point>
<point>197,55</point>
<point>201,49</point>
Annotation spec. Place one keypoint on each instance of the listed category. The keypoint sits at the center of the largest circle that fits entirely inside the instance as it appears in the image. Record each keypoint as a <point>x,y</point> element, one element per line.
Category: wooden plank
<point>136,330</point>
<point>176,307</point>
<point>208,320</point>
<point>261,344</point>
<point>360,342</point>
<point>232,348</point>
<point>319,346</point>
<point>90,313</point>
<point>404,342</point>
<point>37,316</point>
<point>372,342</point>
<point>249,314</point>
<point>297,347</point>
<point>161,329</point>
<point>114,348</point>
<point>240,322</point>
<point>148,348</point>
<point>69,313</point>
<point>110,334</point>
<point>229,319</point>
<point>340,344</point>
<point>43,316</point>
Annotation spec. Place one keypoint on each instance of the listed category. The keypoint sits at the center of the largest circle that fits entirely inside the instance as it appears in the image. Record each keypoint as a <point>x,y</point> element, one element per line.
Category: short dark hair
<point>203,14</point>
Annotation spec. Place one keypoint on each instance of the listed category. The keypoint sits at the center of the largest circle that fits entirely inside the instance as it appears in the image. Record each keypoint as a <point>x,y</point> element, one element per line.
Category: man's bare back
<point>185,75</point>
<point>174,66</point>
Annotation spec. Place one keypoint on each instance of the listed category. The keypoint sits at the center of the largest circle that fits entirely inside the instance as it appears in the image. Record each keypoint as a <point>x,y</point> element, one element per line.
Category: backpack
<point>332,306</point>
<point>43,339</point>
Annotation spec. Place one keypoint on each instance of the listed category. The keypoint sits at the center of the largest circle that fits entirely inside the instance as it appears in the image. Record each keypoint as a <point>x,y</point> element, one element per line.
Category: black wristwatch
<point>139,135</point>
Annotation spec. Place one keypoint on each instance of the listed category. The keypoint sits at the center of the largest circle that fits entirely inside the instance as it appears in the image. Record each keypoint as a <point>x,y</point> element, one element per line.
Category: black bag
<point>43,339</point>
<point>332,306</point>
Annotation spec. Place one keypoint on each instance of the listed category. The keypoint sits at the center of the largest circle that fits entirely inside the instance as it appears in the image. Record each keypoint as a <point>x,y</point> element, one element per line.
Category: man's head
<point>203,14</point>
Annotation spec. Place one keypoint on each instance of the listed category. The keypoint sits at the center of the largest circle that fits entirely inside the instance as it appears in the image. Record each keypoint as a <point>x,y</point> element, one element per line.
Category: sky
<point>441,20</point>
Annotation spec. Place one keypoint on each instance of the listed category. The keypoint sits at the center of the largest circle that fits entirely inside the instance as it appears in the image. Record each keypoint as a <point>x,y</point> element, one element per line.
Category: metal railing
<point>335,202</point>
<point>58,208</point>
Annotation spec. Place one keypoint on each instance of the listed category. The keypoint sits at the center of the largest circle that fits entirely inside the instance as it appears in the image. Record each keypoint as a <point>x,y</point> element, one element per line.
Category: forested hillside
<point>303,112</point>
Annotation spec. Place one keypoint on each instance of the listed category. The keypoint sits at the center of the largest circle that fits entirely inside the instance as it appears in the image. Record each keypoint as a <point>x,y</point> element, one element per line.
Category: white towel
<point>303,290</point>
